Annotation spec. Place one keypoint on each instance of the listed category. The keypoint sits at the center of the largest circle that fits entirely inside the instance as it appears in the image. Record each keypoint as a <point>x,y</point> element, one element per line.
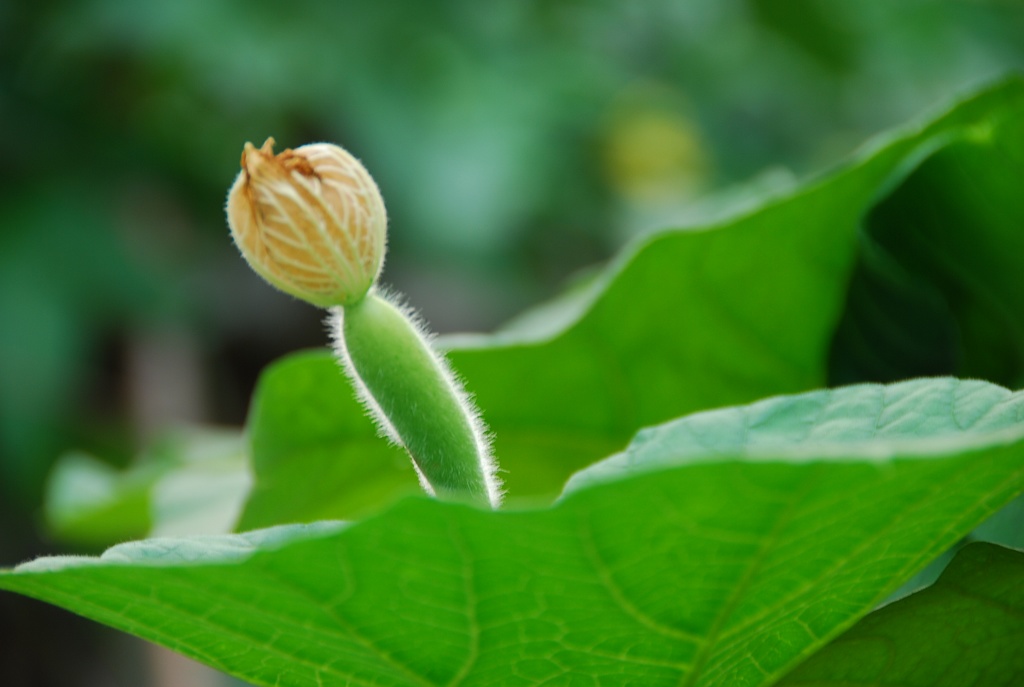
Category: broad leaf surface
<point>749,558</point>
<point>685,320</point>
<point>966,629</point>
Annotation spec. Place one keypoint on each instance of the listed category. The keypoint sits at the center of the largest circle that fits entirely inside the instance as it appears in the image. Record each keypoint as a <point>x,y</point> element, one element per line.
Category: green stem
<point>415,398</point>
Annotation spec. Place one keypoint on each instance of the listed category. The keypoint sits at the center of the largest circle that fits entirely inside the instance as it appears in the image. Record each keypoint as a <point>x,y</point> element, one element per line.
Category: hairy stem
<point>416,400</point>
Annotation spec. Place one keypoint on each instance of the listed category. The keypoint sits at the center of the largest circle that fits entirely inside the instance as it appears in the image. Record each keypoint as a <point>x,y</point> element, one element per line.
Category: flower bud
<point>310,221</point>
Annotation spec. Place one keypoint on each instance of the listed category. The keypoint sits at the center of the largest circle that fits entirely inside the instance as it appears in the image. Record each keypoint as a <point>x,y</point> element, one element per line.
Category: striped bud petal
<point>310,221</point>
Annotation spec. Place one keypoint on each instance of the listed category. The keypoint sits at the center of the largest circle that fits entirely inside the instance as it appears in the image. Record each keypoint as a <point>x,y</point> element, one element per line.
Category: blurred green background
<point>515,142</point>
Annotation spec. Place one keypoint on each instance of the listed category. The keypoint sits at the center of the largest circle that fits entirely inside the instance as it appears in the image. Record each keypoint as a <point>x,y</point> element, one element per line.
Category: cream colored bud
<point>310,221</point>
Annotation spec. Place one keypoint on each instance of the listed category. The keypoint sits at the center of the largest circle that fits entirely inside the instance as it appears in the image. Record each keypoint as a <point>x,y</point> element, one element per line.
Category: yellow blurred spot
<point>653,154</point>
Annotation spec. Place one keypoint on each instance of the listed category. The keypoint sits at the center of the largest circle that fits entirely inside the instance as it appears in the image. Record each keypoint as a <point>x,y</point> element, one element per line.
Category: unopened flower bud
<point>310,221</point>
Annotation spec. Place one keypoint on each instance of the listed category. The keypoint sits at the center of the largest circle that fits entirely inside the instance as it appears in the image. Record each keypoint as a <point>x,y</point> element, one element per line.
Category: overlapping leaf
<point>967,629</point>
<point>189,482</point>
<point>714,561</point>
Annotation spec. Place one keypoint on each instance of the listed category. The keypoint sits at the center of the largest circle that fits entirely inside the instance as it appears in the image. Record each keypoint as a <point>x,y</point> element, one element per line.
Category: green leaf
<point>717,567</point>
<point>952,231</point>
<point>967,629</point>
<point>189,482</point>
<point>691,319</point>
<point>867,419</point>
<point>316,453</point>
<point>89,502</point>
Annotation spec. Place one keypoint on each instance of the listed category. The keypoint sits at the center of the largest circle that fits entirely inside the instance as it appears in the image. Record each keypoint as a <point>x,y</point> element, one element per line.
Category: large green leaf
<point>721,566</point>
<point>967,629</point>
<point>685,320</point>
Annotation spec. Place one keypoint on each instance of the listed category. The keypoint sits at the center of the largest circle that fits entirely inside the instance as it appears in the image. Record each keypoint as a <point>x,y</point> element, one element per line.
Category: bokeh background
<point>516,143</point>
